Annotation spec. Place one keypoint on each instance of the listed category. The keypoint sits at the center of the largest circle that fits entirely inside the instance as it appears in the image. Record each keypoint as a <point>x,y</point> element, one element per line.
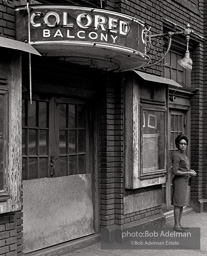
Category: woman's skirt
<point>181,191</point>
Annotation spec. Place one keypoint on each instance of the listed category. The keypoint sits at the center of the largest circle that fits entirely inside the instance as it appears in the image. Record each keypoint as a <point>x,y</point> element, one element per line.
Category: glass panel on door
<point>58,150</point>
<point>35,139</point>
<point>72,138</point>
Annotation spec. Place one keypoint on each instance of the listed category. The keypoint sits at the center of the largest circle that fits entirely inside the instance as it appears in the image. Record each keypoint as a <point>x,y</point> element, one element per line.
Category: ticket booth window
<point>145,130</point>
<point>153,142</point>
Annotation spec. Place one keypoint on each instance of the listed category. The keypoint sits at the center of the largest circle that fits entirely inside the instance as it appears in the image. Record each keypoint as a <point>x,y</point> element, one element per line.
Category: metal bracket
<point>148,38</point>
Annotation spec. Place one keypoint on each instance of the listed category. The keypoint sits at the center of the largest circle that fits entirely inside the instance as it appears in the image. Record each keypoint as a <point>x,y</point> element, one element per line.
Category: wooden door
<point>179,115</point>
<point>57,172</point>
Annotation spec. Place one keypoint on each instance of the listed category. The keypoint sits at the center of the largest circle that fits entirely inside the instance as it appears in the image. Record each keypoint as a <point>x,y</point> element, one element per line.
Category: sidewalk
<point>190,219</point>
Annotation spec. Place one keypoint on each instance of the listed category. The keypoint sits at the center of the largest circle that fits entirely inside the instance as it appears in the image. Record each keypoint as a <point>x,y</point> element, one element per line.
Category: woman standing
<point>181,188</point>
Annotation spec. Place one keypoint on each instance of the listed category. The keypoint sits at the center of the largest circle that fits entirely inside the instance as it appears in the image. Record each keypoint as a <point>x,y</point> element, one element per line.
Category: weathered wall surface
<point>10,83</point>
<point>56,210</point>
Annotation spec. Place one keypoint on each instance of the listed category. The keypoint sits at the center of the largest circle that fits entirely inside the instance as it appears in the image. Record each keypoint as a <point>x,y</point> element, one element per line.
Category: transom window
<point>173,70</point>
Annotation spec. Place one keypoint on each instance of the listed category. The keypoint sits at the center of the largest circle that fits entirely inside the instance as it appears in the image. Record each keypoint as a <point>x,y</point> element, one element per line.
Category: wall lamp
<point>186,62</point>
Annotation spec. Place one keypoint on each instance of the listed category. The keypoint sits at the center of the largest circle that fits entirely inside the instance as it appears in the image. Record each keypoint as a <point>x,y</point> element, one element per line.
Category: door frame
<point>181,103</point>
<point>169,173</point>
<point>93,151</point>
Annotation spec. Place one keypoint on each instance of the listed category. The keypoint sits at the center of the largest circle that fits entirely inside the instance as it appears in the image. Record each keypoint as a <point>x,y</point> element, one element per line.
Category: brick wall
<point>7,18</point>
<point>197,122</point>
<point>111,157</point>
<point>11,234</point>
<point>107,154</point>
<point>203,114</point>
<point>140,215</point>
<point>155,14</point>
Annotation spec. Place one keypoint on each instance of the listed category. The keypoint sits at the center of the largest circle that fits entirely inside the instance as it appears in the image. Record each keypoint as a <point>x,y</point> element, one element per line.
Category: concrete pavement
<point>190,219</point>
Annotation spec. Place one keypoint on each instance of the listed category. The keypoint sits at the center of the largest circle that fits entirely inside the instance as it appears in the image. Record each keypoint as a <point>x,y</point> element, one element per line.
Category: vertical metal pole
<point>30,79</point>
<point>30,59</point>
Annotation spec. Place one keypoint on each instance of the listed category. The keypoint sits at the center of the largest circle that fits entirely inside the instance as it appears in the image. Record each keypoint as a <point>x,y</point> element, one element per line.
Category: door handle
<point>52,166</point>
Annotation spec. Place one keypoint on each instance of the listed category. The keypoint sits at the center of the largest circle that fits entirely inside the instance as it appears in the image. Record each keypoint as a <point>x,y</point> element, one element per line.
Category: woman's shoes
<point>184,227</point>
<point>179,229</point>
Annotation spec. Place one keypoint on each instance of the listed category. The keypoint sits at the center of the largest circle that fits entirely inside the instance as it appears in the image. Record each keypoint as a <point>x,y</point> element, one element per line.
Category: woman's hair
<point>179,138</point>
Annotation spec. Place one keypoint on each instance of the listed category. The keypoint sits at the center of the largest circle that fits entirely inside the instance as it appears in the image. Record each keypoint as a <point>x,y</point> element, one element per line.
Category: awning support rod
<point>30,59</point>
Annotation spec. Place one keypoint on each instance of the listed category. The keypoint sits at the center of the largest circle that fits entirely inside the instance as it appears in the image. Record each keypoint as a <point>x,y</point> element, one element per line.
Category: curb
<point>170,214</point>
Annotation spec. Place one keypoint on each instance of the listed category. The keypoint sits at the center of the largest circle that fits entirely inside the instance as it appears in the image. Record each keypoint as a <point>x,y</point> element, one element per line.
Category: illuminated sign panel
<point>78,32</point>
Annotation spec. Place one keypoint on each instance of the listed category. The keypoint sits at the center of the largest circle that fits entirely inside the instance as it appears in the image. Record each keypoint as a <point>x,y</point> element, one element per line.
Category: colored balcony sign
<point>94,37</point>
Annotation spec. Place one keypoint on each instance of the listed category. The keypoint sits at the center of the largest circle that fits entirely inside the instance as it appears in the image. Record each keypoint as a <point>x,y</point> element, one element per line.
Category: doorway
<point>58,185</point>
<point>177,124</point>
<point>179,112</point>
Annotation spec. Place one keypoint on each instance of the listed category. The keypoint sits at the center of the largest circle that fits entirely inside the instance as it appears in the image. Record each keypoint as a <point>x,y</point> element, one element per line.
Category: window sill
<point>156,174</point>
<point>148,181</point>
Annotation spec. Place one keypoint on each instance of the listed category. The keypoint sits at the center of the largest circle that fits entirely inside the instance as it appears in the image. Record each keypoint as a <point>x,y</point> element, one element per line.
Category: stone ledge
<point>170,214</point>
<point>111,233</point>
<point>199,205</point>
